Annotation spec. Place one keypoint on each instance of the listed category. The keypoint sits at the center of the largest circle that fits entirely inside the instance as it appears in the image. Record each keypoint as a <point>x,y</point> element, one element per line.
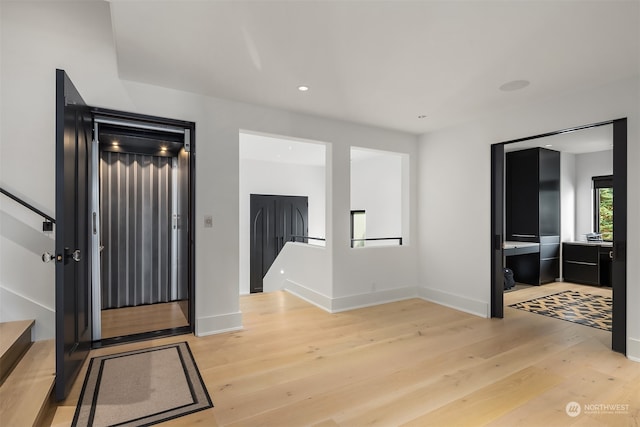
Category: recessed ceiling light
<point>548,145</point>
<point>303,88</point>
<point>422,116</point>
<point>514,85</point>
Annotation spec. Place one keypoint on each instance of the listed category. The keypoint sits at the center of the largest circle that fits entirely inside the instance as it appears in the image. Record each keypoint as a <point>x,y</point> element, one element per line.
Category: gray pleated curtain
<point>136,209</point>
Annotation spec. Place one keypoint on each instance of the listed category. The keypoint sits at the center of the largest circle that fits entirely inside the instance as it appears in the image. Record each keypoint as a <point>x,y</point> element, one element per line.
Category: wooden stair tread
<point>15,339</point>
<point>63,416</point>
<point>10,331</point>
<point>26,391</point>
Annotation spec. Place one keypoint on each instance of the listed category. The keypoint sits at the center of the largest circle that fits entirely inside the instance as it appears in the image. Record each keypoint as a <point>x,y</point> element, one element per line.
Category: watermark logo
<point>573,409</point>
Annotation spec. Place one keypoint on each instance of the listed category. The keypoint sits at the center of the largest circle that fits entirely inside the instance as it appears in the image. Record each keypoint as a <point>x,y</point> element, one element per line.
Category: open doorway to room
<point>548,230</point>
<point>282,199</point>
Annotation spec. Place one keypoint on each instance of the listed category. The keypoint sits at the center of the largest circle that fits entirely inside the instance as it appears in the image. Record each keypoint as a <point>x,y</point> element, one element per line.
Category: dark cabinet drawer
<point>574,271</point>
<point>580,253</point>
<point>549,251</point>
<point>549,270</point>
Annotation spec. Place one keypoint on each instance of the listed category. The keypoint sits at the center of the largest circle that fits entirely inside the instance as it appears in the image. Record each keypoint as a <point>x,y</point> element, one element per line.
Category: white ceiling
<point>382,63</point>
<point>281,150</point>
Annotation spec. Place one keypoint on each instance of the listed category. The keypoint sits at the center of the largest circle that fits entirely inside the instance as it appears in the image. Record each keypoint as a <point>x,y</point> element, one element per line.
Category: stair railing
<point>47,224</point>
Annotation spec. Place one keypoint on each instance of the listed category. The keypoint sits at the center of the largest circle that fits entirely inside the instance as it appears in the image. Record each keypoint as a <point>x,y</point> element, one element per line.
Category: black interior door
<point>275,220</point>
<point>73,305</point>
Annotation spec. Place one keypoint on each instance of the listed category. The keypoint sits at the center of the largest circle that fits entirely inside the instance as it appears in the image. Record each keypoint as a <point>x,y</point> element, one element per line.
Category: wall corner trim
<point>633,349</point>
<point>218,324</point>
<point>457,302</point>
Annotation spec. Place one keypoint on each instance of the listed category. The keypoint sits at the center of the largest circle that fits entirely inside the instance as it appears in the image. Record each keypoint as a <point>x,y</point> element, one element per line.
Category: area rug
<point>141,388</point>
<point>573,306</point>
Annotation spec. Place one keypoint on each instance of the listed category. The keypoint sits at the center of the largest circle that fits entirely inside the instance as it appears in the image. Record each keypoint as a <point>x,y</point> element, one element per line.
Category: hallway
<point>406,362</point>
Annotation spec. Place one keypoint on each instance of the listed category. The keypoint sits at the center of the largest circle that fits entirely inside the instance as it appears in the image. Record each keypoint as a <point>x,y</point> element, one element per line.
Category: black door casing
<point>274,221</point>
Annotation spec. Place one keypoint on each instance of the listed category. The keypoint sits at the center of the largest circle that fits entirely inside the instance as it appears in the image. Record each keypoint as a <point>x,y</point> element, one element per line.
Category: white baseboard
<point>633,349</point>
<point>218,324</point>
<point>309,295</point>
<point>351,302</point>
<point>384,296</point>
<point>478,308</point>
<point>14,306</point>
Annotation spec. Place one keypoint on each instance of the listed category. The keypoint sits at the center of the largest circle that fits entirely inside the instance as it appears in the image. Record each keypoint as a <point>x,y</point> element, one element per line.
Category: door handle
<point>75,255</point>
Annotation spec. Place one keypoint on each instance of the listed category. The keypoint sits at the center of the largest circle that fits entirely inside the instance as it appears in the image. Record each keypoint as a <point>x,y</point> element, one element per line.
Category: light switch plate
<point>208,221</point>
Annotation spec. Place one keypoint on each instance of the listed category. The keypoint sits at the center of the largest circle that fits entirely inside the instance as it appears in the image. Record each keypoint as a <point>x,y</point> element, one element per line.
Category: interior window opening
<point>379,198</point>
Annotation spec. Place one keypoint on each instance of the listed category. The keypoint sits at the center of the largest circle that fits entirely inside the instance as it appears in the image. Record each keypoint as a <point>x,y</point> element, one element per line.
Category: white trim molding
<point>457,302</point>
<point>633,349</point>
<point>218,324</point>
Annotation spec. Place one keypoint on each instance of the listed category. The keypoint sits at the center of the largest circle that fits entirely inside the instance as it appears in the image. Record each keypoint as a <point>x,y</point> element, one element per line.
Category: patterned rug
<point>572,306</point>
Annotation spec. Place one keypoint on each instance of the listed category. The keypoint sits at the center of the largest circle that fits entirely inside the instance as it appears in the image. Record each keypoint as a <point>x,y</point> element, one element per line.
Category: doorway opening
<point>535,248</point>
<point>282,187</point>
<point>141,176</point>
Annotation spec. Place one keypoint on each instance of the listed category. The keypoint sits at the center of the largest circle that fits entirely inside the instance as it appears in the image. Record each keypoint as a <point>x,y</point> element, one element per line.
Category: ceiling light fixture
<point>303,88</point>
<point>514,85</point>
<point>548,145</point>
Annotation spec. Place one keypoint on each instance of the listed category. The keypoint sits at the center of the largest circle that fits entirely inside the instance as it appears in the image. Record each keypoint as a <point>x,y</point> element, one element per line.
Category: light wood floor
<point>405,363</point>
<point>119,322</point>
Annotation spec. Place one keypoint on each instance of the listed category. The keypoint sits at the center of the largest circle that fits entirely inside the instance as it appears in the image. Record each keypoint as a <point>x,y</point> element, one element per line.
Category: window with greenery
<point>603,206</point>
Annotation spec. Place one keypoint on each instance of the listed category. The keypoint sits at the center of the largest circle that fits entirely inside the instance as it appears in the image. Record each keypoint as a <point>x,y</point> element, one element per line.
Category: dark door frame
<point>125,116</point>
<point>619,266</point>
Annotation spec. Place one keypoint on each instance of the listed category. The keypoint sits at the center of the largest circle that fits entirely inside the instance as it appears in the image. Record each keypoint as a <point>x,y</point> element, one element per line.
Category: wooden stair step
<point>26,391</point>
<point>63,416</point>
<point>15,339</point>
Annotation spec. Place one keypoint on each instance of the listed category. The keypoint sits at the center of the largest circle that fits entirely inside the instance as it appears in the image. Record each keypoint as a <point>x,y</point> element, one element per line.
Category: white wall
<point>260,177</point>
<point>303,270</point>
<point>589,165</point>
<point>376,188</point>
<point>38,37</point>
<point>455,171</point>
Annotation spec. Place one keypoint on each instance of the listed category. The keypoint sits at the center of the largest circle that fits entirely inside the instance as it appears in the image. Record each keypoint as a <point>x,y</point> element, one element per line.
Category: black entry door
<point>73,306</point>
<point>275,220</point>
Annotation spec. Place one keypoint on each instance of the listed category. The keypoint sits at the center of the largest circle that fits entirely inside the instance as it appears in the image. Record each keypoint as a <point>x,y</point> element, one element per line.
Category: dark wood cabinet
<point>532,211</point>
<point>589,264</point>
